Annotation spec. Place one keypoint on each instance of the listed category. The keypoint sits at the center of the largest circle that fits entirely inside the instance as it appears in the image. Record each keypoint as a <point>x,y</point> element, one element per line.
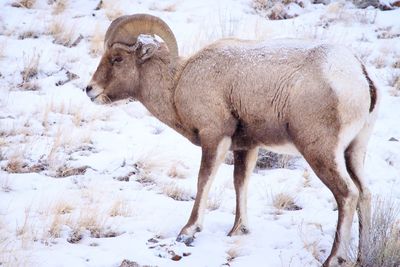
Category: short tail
<point>373,92</point>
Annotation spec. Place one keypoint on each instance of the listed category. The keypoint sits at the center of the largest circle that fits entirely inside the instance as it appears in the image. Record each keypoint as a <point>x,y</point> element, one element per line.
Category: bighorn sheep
<point>313,99</point>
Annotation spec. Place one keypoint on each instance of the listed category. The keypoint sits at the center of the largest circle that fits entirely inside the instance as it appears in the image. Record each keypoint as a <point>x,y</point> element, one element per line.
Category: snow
<point>71,167</point>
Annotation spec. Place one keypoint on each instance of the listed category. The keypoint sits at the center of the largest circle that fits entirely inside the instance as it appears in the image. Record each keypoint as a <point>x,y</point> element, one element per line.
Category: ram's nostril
<point>89,88</point>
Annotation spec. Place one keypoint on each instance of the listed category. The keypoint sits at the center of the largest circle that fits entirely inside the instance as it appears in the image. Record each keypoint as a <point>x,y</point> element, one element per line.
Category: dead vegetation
<point>383,243</point>
<point>214,201</point>
<point>284,201</point>
<point>58,6</point>
<point>18,165</point>
<point>166,8</point>
<point>120,208</point>
<point>28,34</point>
<point>111,9</point>
<point>176,192</point>
<point>29,72</point>
<point>270,160</point>
<point>5,184</point>
<point>387,33</point>
<point>96,42</point>
<point>65,171</point>
<point>275,9</point>
<point>393,81</point>
<point>3,45</point>
<point>63,34</point>
<point>24,3</point>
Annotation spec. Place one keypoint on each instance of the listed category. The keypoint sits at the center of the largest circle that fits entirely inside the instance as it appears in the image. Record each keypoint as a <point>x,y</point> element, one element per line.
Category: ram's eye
<point>116,59</point>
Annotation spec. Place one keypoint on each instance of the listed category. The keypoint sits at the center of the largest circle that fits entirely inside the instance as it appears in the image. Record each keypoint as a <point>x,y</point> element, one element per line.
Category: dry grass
<point>148,165</point>
<point>62,34</point>
<point>393,80</point>
<point>166,8</point>
<point>233,252</point>
<point>59,6</point>
<point>274,9</point>
<point>88,220</point>
<point>62,207</point>
<point>120,208</point>
<point>112,9</point>
<point>25,232</point>
<point>52,156</point>
<point>54,230</point>
<point>94,221</point>
<point>312,243</point>
<point>29,72</point>
<point>178,170</point>
<point>15,164</point>
<point>66,171</point>
<point>175,192</point>
<point>5,184</point>
<point>383,243</point>
<point>28,34</point>
<point>379,62</point>
<point>3,45</point>
<point>215,199</point>
<point>24,3</point>
<point>96,42</point>
<point>284,201</point>
<point>336,12</point>
<point>271,160</point>
<point>307,178</point>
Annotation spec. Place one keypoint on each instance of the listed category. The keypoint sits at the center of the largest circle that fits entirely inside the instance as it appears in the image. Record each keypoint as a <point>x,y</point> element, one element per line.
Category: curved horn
<point>126,29</point>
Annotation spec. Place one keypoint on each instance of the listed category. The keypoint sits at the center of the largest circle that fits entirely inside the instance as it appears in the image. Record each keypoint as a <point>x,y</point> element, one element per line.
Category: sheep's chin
<point>101,99</point>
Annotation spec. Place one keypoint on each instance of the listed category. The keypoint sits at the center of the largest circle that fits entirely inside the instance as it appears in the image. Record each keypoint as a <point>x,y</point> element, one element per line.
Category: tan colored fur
<point>281,93</point>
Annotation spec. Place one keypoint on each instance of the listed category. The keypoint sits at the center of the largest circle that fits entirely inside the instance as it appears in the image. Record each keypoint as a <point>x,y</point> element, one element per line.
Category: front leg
<point>244,161</point>
<point>213,153</point>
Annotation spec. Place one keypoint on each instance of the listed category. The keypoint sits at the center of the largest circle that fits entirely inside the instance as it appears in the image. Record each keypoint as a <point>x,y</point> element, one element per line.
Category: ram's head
<point>129,42</point>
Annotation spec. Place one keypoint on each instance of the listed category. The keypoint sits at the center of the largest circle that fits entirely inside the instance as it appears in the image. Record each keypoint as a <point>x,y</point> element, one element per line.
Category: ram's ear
<point>148,45</point>
<point>146,51</point>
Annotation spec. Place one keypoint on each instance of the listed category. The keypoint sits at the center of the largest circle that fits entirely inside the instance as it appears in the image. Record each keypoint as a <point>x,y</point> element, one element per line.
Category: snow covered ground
<point>89,185</point>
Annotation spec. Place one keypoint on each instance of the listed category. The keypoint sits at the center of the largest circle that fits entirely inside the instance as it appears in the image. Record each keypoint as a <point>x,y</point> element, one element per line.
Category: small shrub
<point>270,160</point>
<point>214,200</point>
<point>28,34</point>
<point>112,9</point>
<point>383,243</point>
<point>30,71</point>
<point>62,207</point>
<point>5,184</point>
<point>284,201</point>
<point>65,171</point>
<point>3,45</point>
<point>166,8</point>
<point>96,42</point>
<point>275,9</point>
<point>24,3</point>
<point>176,192</point>
<point>59,6</point>
<point>393,80</point>
<point>120,208</point>
<point>62,34</point>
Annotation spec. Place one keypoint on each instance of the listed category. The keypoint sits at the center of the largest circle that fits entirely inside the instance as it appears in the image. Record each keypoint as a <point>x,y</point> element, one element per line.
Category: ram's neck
<point>158,82</point>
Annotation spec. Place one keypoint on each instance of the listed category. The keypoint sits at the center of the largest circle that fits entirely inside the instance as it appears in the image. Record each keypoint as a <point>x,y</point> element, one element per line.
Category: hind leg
<point>328,162</point>
<point>355,157</point>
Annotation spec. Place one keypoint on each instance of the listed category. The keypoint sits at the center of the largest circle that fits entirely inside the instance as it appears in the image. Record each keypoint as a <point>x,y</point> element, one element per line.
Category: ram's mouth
<point>101,99</point>
<point>93,98</point>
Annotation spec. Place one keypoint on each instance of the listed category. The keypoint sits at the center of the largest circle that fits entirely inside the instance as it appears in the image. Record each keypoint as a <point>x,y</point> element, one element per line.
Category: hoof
<point>186,239</point>
<point>241,230</point>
